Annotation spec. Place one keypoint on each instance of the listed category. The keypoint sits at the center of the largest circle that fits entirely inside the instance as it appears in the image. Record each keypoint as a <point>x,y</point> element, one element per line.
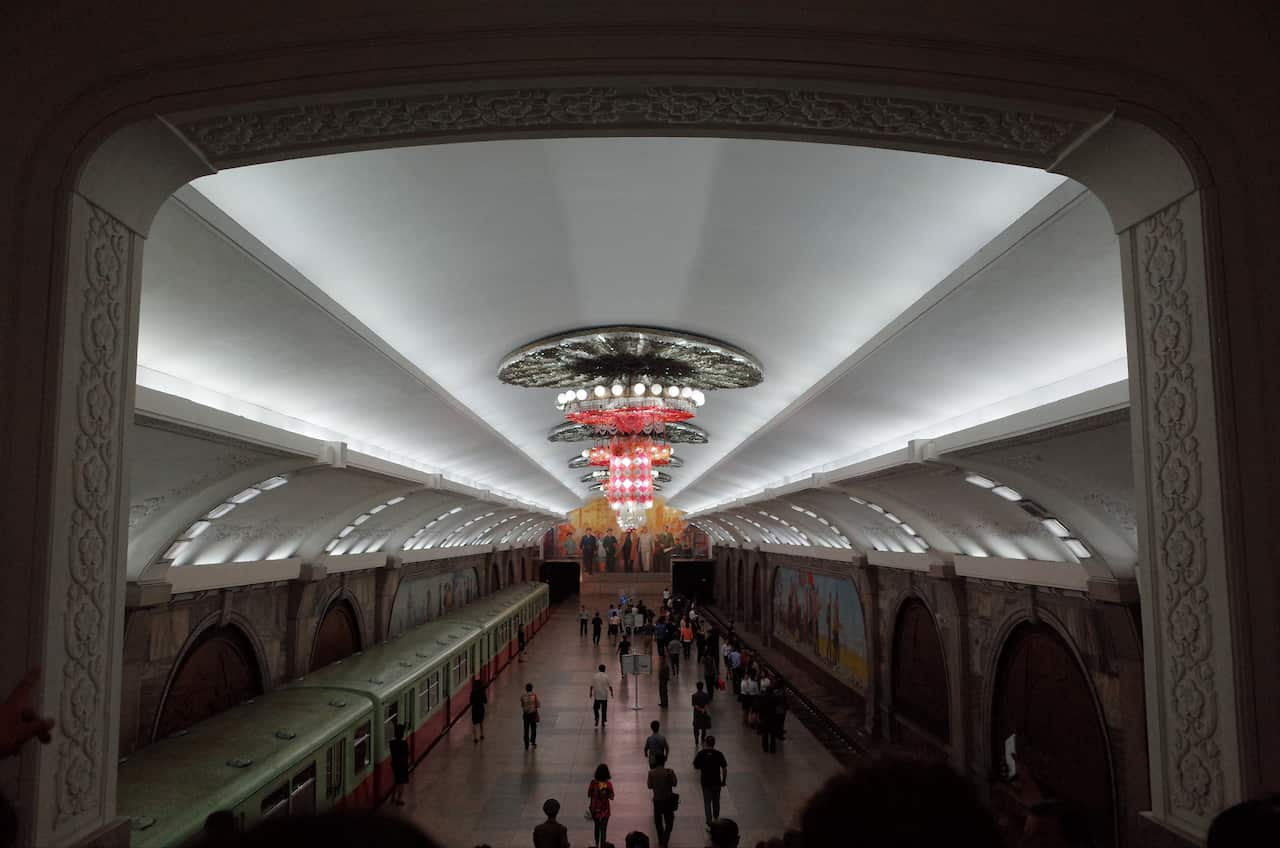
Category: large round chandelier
<point>632,391</point>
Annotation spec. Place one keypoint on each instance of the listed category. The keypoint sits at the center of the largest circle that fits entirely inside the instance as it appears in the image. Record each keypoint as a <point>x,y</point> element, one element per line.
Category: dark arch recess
<point>1043,695</point>
<point>218,671</point>
<point>920,691</point>
<point>511,571</point>
<point>338,635</point>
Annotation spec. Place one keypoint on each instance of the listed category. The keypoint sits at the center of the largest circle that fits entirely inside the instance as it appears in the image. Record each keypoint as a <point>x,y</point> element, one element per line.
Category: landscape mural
<point>423,599</point>
<point>820,615</point>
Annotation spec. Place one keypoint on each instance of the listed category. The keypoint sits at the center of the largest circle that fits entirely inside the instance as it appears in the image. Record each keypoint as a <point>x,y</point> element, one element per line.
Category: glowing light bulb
<point>580,394</point>
<point>617,390</point>
<point>686,392</point>
<point>638,388</point>
<point>699,398</point>
<point>656,389</point>
<point>601,391</point>
<point>673,391</point>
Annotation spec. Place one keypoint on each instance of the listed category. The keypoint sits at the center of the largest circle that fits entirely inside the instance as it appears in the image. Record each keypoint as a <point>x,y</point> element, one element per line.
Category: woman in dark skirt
<point>478,701</point>
<point>399,749</point>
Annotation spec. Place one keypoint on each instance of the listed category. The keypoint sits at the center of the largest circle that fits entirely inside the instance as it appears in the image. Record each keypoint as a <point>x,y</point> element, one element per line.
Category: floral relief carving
<point>1029,137</point>
<point>95,471</point>
<point>1180,552</point>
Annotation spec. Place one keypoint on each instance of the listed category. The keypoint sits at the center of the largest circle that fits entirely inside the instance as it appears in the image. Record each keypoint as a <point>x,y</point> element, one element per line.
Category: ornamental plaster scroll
<point>272,132</point>
<point>1179,427</point>
<point>93,544</point>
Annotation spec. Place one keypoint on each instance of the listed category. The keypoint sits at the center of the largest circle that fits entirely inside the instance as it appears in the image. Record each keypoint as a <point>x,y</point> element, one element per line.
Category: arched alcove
<point>1044,699</point>
<point>740,583</point>
<point>919,674</point>
<point>757,594</point>
<point>511,572</point>
<point>495,578</point>
<point>337,636</point>
<point>219,670</point>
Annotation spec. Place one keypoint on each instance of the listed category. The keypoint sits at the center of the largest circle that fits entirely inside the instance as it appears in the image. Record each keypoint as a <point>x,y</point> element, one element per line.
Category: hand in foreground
<point>18,722</point>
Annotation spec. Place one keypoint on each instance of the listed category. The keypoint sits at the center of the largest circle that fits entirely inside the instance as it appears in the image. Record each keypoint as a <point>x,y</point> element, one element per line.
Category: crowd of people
<point>892,801</point>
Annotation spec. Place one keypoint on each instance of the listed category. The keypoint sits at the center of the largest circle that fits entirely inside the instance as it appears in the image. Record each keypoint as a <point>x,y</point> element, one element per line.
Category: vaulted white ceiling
<point>368,297</point>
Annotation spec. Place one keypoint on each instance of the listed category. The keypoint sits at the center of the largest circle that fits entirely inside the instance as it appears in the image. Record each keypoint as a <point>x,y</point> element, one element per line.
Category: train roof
<point>178,781</point>
<point>383,670</point>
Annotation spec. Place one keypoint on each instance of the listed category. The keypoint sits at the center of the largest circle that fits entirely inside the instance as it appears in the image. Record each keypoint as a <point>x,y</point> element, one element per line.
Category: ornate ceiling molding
<point>273,131</point>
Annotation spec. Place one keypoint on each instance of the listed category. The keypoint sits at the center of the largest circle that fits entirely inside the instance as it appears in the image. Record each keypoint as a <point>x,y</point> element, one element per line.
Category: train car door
<point>409,718</point>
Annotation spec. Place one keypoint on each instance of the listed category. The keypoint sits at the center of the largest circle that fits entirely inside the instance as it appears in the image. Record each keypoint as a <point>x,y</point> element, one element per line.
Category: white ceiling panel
<point>452,255</point>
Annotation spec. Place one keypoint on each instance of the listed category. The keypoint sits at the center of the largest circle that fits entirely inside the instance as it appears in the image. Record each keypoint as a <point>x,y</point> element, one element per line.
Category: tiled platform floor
<point>466,794</point>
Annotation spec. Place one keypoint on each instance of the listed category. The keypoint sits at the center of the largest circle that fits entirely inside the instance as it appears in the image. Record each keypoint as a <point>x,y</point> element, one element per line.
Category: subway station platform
<point>468,794</point>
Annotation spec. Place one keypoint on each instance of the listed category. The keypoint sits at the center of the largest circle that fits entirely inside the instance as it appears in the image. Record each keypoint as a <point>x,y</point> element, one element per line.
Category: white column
<point>1192,727</point>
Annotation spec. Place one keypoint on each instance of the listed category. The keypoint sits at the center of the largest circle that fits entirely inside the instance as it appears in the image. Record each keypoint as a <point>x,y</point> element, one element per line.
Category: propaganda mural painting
<point>820,615</point>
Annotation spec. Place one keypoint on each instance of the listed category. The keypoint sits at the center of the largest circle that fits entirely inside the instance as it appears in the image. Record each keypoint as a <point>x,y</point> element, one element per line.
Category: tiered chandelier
<point>632,390</point>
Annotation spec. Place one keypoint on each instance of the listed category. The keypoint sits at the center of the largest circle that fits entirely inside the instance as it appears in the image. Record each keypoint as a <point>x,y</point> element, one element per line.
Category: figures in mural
<point>665,545</point>
<point>821,615</point>
<point>570,546</point>
<point>588,551</point>
<point>609,543</point>
<point>626,551</point>
<point>644,549</point>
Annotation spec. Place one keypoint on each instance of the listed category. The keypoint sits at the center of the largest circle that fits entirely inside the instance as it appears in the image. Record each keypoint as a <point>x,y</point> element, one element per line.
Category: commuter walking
<point>656,748</point>
<point>686,637</point>
<point>709,674</point>
<point>613,623</point>
<point>673,656</point>
<point>769,707</point>
<point>529,705</point>
<point>713,771</point>
<point>479,698</point>
<point>583,618</point>
<point>599,794</point>
<point>701,714</point>
<point>662,781</point>
<point>749,691</point>
<point>597,624</point>
<point>664,681</point>
<point>700,639</point>
<point>551,834</point>
<point>520,642</point>
<point>399,750</point>
<point>734,661</point>
<point>601,691</point>
<point>624,648</point>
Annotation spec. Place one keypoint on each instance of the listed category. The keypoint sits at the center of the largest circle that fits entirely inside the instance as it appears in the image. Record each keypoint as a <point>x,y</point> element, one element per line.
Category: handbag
<point>720,683</point>
<point>536,717</point>
<point>675,801</point>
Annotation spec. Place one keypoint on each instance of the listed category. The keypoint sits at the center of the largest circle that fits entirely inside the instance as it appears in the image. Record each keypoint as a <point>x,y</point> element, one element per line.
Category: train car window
<point>424,701</point>
<point>333,769</point>
<point>389,724</point>
<point>433,689</point>
<point>302,798</point>
<point>276,804</point>
<point>360,753</point>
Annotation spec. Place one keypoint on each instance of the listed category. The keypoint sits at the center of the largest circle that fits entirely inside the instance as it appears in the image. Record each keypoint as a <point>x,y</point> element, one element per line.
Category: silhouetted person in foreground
<point>724,833</point>
<point>898,802</point>
<point>1249,824</point>
<point>551,834</point>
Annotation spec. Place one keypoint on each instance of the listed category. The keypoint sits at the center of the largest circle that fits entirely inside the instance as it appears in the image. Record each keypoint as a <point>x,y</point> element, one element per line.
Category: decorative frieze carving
<point>1179,553</point>
<point>102,289</point>
<point>269,133</point>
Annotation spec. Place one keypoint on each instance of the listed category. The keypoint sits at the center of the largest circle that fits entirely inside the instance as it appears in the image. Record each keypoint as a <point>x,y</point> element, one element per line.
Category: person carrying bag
<point>529,705</point>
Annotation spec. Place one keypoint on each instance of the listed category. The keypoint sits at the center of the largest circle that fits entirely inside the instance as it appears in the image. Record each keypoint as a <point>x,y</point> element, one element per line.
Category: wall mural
<point>820,615</point>
<point>423,599</point>
<point>664,535</point>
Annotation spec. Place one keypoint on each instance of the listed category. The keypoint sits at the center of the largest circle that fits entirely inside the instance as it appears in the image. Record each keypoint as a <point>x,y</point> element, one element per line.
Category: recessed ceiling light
<point>220,510</point>
<point>272,483</point>
<point>395,501</point>
<point>1077,547</point>
<point>346,531</point>
<point>979,480</point>
<point>1007,493</point>
<point>196,529</point>
<point>1056,527</point>
<point>174,550</point>
<point>362,519</point>
<point>245,496</point>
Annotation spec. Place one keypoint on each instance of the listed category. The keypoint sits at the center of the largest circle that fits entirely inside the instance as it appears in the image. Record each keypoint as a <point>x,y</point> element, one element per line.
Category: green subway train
<point>319,743</point>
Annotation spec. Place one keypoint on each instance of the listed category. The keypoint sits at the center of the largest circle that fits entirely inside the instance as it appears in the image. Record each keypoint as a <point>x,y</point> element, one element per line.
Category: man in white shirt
<point>601,690</point>
<point>645,545</point>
